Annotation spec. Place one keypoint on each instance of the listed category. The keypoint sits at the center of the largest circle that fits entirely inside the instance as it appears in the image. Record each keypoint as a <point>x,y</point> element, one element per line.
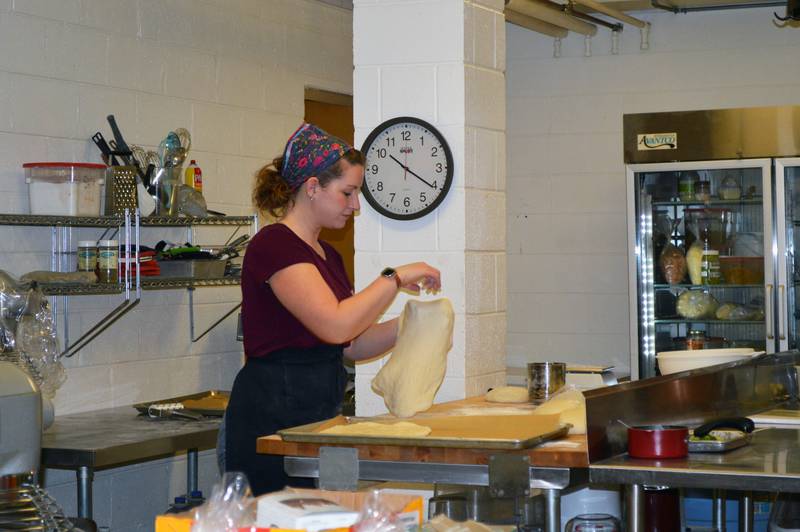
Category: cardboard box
<point>408,507</point>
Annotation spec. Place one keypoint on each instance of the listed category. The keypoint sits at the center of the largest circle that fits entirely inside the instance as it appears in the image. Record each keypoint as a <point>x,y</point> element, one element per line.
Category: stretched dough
<point>508,394</point>
<point>371,428</point>
<point>416,368</point>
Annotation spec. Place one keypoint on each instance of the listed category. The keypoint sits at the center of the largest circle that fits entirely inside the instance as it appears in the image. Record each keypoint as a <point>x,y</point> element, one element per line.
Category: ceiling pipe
<point>569,9</point>
<point>613,13</point>
<point>535,24</point>
<point>684,10</point>
<point>534,9</point>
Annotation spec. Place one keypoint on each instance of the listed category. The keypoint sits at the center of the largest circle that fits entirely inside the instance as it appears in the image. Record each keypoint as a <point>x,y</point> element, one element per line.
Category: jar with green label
<point>107,261</point>
<point>709,267</point>
<point>87,256</point>
<point>686,186</point>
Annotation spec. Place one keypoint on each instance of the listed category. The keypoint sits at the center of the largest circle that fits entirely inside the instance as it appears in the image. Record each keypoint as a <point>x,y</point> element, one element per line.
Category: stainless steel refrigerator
<point>713,203</point>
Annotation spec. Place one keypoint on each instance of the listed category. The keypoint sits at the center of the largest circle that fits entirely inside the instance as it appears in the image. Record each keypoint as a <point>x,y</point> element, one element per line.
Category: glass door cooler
<point>713,231</point>
<point>787,192</point>
<point>703,267</point>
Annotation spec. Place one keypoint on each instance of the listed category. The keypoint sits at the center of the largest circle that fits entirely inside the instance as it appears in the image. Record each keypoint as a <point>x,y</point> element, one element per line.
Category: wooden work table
<point>551,466</point>
<point>568,452</point>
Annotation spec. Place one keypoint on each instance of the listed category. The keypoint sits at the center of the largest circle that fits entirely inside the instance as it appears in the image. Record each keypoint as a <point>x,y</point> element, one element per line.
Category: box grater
<point>120,189</point>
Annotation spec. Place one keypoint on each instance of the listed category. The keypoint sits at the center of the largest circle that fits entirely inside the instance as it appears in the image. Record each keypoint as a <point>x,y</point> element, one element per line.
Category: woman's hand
<point>418,275</point>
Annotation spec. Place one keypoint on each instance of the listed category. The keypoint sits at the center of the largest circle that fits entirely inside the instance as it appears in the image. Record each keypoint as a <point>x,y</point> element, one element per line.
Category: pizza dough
<point>416,368</point>
<point>571,406</point>
<point>371,428</point>
<point>508,394</point>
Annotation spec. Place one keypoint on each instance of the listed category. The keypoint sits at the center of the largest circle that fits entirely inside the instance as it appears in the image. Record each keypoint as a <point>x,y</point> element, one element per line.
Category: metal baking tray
<point>729,439</point>
<point>308,434</point>
<point>196,269</point>
<point>213,412</point>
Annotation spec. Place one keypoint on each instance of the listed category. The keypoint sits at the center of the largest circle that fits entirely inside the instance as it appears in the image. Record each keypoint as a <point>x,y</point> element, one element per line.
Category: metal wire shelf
<point>117,221</point>
<point>146,284</point>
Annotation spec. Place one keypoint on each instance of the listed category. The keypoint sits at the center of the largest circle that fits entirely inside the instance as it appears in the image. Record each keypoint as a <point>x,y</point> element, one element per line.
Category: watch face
<point>408,169</point>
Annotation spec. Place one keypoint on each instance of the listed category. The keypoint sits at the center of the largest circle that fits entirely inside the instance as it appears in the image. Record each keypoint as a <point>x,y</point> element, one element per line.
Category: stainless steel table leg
<point>718,505</point>
<point>191,471</point>
<point>746,512</point>
<point>85,479</point>
<point>552,508</point>
<point>634,507</point>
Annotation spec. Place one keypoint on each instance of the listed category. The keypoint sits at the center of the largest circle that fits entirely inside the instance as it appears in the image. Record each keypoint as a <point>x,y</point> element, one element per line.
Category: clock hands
<point>407,169</point>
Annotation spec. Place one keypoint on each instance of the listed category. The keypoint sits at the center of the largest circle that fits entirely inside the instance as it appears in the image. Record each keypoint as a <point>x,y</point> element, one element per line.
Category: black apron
<point>285,389</point>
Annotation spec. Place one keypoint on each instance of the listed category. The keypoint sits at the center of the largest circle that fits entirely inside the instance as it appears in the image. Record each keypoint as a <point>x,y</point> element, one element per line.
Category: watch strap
<point>391,273</point>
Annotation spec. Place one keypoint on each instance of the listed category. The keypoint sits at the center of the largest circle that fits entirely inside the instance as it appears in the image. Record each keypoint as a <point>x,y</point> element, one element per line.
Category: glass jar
<point>702,191</point>
<point>709,266</point>
<point>686,186</point>
<point>87,256</point>
<point>107,261</point>
<point>593,523</point>
<point>729,189</point>
<point>695,340</point>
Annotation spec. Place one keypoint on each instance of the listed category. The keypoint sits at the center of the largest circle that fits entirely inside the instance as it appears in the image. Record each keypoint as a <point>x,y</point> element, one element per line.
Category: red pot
<point>658,441</point>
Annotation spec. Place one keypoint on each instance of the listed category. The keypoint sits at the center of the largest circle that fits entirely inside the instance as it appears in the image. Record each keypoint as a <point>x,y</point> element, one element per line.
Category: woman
<point>300,315</point>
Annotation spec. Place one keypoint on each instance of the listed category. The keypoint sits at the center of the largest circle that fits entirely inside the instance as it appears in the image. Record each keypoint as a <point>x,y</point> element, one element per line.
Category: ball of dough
<point>508,394</point>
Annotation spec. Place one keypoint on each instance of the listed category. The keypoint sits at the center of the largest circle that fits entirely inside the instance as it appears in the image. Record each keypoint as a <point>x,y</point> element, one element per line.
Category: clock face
<point>408,169</point>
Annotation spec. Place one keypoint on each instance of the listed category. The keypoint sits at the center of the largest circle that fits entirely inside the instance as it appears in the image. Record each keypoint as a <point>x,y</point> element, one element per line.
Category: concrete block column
<point>442,61</point>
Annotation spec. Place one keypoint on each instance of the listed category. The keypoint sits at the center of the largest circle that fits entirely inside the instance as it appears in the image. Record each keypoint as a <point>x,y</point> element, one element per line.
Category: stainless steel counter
<point>770,463</point>
<point>117,436</point>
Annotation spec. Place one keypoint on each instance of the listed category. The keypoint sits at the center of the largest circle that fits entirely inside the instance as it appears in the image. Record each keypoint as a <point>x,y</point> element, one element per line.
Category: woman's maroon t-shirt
<point>266,324</point>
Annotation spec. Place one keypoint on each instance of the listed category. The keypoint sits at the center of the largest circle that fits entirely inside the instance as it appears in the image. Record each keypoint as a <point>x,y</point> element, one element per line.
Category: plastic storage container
<point>65,189</point>
<point>742,270</point>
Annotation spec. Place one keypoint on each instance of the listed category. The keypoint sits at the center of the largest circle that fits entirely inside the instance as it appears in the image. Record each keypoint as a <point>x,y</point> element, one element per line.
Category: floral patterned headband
<point>308,152</point>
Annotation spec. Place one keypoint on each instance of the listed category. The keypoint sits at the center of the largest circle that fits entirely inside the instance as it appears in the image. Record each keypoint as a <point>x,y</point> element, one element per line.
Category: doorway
<point>333,112</point>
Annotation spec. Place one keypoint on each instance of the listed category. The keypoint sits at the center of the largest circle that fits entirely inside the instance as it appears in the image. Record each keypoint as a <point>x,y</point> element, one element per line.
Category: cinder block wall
<point>233,73</point>
<point>567,248</point>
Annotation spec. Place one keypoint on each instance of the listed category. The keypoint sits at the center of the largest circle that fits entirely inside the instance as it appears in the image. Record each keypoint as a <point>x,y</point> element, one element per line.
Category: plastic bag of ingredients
<point>12,303</point>
<point>376,516</point>
<point>696,304</point>
<point>673,264</point>
<point>37,343</point>
<point>230,506</point>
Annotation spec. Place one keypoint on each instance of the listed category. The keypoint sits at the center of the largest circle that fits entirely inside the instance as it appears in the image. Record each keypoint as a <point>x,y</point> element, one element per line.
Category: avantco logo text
<point>657,141</point>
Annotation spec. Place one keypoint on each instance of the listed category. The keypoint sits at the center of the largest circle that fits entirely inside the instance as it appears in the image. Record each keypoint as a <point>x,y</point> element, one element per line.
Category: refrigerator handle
<point>768,314</point>
<point>781,312</point>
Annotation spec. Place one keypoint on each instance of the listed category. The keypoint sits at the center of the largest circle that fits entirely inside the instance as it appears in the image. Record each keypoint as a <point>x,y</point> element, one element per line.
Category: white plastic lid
<point>87,243</point>
<point>108,243</point>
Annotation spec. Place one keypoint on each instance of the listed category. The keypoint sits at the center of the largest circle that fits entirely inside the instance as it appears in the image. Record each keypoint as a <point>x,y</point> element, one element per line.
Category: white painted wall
<point>233,73</point>
<point>567,250</point>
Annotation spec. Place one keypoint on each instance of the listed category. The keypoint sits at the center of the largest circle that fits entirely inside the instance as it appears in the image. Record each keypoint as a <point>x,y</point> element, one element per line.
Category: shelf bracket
<point>212,326</point>
<point>122,309</point>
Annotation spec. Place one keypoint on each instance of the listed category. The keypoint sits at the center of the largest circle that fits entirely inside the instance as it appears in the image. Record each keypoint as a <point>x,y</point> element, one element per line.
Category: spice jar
<point>709,267</point>
<point>702,191</point>
<point>87,256</point>
<point>107,261</point>
<point>695,340</point>
<point>686,186</point>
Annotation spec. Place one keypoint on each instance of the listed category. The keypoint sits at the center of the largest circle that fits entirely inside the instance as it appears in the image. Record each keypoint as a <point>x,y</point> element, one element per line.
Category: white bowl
<point>707,352</point>
<point>676,361</point>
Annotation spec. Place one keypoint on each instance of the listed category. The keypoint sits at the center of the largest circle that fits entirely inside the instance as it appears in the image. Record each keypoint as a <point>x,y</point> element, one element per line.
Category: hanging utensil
<point>184,137</point>
<point>104,148</point>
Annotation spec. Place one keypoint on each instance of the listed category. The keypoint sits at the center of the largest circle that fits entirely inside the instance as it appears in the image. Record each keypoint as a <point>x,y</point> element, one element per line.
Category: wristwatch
<point>391,273</point>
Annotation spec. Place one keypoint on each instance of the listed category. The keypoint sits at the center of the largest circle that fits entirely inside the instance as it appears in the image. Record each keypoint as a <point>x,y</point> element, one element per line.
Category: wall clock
<point>408,169</point>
